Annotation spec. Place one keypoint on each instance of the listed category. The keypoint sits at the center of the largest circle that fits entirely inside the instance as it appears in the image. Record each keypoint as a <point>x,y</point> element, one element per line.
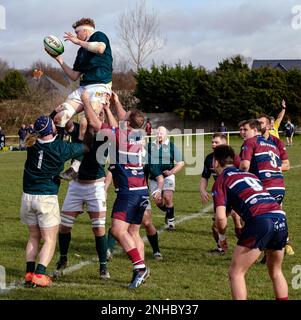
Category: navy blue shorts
<point>264,232</point>
<point>277,194</point>
<point>130,207</point>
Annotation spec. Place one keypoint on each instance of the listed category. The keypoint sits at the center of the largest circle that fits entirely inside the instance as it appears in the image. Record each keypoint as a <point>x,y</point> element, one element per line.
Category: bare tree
<point>139,31</point>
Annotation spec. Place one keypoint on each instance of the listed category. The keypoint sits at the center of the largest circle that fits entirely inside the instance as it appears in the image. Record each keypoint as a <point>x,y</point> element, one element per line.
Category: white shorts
<point>97,92</point>
<point>91,194</point>
<point>169,184</point>
<point>42,210</point>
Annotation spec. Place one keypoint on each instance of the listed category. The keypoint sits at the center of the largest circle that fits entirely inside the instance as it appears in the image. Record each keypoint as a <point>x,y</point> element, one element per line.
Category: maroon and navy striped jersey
<point>280,145</point>
<point>126,160</point>
<point>265,161</point>
<point>243,192</point>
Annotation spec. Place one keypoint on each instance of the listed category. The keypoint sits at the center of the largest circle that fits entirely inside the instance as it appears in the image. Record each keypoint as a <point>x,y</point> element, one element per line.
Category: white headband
<point>84,28</point>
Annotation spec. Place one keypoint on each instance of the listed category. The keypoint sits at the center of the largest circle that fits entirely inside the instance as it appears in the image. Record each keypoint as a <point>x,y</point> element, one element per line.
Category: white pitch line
<point>75,267</point>
<point>19,284</point>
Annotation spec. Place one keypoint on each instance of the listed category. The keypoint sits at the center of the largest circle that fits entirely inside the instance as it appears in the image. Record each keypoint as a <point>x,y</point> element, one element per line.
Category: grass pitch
<point>188,271</point>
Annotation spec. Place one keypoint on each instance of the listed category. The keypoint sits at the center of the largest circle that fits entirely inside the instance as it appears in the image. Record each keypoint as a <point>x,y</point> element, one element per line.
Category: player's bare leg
<point>242,259</point>
<point>274,264</point>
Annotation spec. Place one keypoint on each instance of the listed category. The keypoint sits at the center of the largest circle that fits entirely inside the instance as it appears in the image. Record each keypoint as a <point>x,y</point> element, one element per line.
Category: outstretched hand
<point>71,37</point>
<point>114,97</point>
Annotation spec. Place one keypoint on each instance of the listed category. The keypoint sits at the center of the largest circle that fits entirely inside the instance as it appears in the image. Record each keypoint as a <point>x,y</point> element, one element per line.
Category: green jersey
<point>95,68</point>
<point>162,157</point>
<point>45,160</point>
<point>92,166</point>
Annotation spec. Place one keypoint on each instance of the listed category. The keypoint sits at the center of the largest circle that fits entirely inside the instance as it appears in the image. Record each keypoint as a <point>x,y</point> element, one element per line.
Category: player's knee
<point>67,223</point>
<point>66,112</point>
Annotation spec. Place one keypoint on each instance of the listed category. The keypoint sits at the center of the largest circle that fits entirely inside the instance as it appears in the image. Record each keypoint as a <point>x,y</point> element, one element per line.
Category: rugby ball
<point>53,45</point>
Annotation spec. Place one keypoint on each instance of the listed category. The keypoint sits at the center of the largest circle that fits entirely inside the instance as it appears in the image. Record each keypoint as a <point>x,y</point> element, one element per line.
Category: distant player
<point>93,65</point>
<point>289,132</point>
<point>208,171</point>
<point>165,159</point>
<point>262,158</point>
<point>265,123</point>
<point>265,223</point>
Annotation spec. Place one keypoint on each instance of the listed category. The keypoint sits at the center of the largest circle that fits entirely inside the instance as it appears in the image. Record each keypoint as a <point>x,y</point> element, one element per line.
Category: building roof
<point>282,64</point>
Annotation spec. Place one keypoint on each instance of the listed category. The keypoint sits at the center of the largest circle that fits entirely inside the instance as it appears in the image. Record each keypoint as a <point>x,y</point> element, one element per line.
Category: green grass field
<point>188,271</point>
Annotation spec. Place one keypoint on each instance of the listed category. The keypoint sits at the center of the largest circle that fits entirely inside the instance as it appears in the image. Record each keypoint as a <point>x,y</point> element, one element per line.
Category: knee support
<point>67,221</point>
<point>66,113</point>
<point>98,222</point>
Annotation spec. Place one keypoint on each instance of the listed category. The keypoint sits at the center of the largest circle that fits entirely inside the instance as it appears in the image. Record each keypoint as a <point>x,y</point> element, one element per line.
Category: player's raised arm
<point>111,119</point>
<point>91,116</point>
<point>121,113</point>
<point>73,75</point>
<point>95,46</point>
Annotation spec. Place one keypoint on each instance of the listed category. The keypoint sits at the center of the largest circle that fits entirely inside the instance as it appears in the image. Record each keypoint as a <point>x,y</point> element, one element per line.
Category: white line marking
<point>19,284</point>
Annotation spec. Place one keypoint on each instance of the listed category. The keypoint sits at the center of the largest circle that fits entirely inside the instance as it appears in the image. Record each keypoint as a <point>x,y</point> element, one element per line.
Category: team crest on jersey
<point>268,174</point>
<point>134,172</point>
<point>253,201</point>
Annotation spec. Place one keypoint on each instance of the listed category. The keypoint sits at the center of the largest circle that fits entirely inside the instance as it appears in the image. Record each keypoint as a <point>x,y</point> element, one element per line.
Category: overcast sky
<point>201,31</point>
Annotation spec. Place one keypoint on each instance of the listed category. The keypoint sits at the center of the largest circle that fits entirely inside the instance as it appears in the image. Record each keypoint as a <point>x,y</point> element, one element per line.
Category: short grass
<point>187,271</point>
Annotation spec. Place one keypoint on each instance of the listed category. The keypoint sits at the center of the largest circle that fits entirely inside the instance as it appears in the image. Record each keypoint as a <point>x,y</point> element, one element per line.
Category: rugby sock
<point>162,207</point>
<point>64,241</point>
<point>137,262</point>
<point>214,232</point>
<point>101,248</point>
<point>170,213</point>
<point>154,242</point>
<point>40,269</point>
<point>284,298</point>
<point>30,266</point>
<point>111,241</point>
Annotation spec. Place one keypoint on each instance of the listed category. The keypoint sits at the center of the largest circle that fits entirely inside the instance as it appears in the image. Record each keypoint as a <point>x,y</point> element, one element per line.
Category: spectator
<point>148,127</point>
<point>222,128</point>
<point>289,132</point>
<point>30,129</point>
<point>22,134</point>
<point>2,138</point>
